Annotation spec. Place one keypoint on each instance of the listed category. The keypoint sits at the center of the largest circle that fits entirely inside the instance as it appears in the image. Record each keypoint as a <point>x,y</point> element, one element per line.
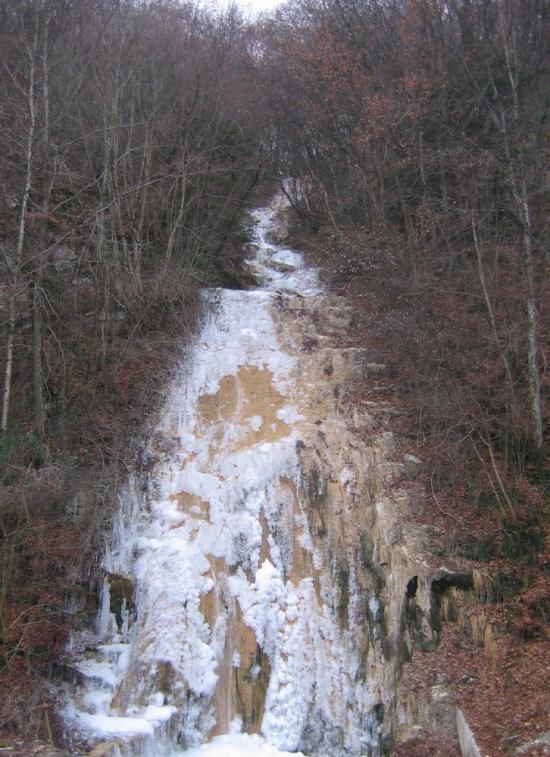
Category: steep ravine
<point>262,576</point>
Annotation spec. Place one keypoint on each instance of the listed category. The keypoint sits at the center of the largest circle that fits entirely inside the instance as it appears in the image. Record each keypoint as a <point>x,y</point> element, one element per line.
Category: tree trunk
<point>18,259</point>
<point>38,379</point>
<point>532,322</point>
<point>521,196</point>
<point>490,311</point>
<point>47,182</point>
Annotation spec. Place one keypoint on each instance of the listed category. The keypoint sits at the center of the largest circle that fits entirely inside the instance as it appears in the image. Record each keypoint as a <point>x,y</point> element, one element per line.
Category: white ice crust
<point>167,551</point>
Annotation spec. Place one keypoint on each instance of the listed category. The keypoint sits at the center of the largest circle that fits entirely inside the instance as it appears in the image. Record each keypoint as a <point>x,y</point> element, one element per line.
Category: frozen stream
<point>230,644</point>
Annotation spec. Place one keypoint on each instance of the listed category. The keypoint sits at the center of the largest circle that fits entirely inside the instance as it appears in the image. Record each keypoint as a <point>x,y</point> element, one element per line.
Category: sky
<point>252,7</point>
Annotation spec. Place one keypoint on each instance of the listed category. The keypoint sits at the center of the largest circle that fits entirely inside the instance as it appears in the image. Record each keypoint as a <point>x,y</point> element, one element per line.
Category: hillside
<point>411,141</point>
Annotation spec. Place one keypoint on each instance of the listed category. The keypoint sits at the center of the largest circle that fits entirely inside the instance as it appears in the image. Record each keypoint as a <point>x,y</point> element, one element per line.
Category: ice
<point>197,532</point>
<point>374,605</point>
<point>289,414</point>
<point>97,701</point>
<point>236,745</point>
<point>347,476</point>
<point>155,713</point>
<point>102,671</point>
<point>102,725</point>
<point>256,422</point>
<point>288,257</point>
<point>302,280</point>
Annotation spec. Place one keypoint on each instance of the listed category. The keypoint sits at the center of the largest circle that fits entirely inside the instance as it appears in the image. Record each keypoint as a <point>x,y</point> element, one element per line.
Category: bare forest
<point>412,138</point>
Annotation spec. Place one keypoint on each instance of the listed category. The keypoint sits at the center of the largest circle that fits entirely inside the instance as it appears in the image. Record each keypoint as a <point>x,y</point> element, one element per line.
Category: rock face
<point>277,576</point>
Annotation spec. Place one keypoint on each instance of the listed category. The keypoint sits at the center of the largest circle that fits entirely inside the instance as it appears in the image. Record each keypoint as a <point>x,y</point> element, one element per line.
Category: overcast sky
<point>252,7</point>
